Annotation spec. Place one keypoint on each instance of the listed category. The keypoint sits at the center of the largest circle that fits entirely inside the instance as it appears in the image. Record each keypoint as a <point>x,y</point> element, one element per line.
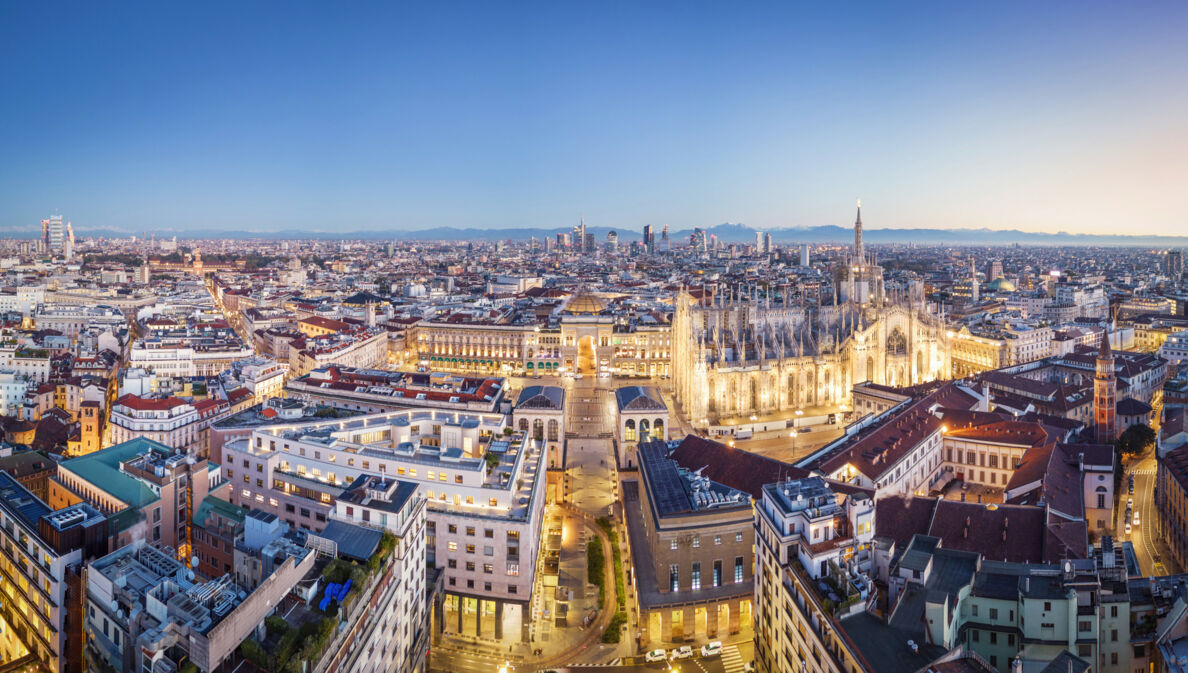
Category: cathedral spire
<point>858,235</point>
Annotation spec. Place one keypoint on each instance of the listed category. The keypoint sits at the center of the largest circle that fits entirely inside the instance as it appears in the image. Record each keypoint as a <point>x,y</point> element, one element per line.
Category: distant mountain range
<point>727,233</point>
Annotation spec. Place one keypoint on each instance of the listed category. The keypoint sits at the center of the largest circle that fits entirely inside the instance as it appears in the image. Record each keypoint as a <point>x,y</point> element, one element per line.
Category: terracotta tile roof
<point>900,517</point>
<point>326,323</point>
<point>739,469</point>
<point>877,450</point>
<point>150,403</point>
<point>998,532</point>
<point>1014,533</point>
<point>1132,407</point>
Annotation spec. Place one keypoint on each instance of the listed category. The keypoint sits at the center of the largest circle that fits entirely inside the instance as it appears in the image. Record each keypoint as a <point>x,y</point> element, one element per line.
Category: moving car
<point>711,649</point>
<point>1128,528</point>
<point>682,652</point>
<point>656,655</point>
<point>1136,518</point>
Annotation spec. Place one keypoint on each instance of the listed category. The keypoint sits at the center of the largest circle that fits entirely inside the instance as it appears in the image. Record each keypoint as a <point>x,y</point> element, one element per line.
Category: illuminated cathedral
<point>736,354</point>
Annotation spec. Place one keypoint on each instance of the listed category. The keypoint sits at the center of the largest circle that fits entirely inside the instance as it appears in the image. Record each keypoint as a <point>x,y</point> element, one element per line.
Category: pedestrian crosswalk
<point>731,661</point>
<point>1145,470</point>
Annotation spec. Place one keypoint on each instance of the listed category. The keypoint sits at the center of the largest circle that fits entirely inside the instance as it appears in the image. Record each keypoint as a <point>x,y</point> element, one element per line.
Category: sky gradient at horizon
<point>358,116</point>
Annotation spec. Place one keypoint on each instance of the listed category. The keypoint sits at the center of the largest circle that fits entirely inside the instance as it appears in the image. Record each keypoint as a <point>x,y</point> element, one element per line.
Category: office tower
<point>995,270</point>
<point>53,233</point>
<point>649,239</point>
<point>1175,264</point>
<point>974,286</point>
<point>804,255</point>
<point>767,249</point>
<point>664,238</point>
<point>564,239</point>
<point>612,241</point>
<point>759,242</point>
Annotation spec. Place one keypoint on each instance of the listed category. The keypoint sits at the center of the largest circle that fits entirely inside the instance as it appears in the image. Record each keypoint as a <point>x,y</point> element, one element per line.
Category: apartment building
<point>809,566</point>
<point>485,490</point>
<point>145,611</point>
<point>374,391</point>
<point>72,320</point>
<point>45,548</point>
<point>358,347</point>
<point>146,488</point>
<point>188,354</point>
<point>169,420</point>
<point>691,545</point>
<point>395,635</point>
<point>900,455</point>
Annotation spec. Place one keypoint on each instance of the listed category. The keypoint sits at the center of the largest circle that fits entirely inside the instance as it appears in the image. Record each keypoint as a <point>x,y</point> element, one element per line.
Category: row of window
<point>673,544</point>
<point>674,575</point>
<point>513,569</point>
<point>487,586</point>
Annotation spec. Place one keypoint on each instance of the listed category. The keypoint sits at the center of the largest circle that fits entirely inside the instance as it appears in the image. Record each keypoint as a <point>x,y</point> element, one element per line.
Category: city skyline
<point>1037,119</point>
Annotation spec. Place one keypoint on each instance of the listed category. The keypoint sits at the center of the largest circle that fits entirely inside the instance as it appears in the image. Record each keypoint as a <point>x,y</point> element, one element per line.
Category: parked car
<point>1136,518</point>
<point>711,649</point>
<point>1128,528</point>
<point>656,655</point>
<point>1129,503</point>
<point>682,652</point>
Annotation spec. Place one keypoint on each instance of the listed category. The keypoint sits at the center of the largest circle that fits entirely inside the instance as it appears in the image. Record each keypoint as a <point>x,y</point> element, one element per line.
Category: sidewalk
<point>573,642</point>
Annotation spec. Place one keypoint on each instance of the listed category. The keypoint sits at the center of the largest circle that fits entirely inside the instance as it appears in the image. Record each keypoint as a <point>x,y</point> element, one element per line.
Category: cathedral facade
<point>735,354</point>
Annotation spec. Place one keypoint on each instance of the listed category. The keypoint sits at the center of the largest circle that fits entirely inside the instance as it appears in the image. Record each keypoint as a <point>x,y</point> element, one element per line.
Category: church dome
<point>585,303</point>
<point>1001,284</point>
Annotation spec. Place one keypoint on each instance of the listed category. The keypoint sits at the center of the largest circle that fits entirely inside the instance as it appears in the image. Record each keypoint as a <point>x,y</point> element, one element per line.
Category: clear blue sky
<point>341,116</point>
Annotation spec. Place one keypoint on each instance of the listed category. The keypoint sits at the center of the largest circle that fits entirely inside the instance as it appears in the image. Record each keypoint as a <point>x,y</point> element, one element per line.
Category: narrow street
<point>1149,547</point>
